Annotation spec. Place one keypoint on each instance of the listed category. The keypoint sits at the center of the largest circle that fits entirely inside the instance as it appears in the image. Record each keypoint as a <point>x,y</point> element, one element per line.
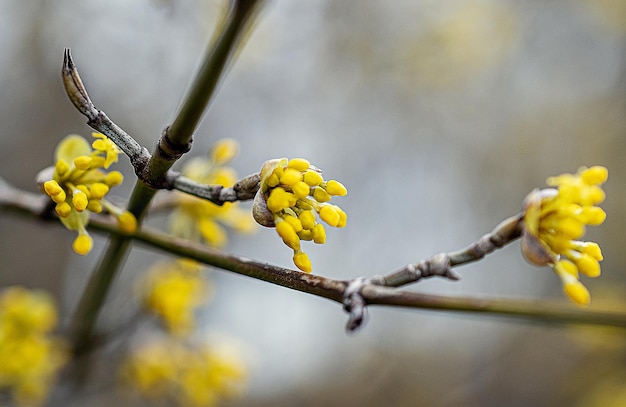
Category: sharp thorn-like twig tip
<point>75,88</point>
<point>67,59</point>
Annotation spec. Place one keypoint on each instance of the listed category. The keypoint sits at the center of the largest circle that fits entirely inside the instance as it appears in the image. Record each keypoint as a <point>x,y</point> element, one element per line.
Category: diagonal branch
<point>442,263</point>
<point>152,171</point>
<point>439,265</point>
<point>97,119</point>
<point>369,292</point>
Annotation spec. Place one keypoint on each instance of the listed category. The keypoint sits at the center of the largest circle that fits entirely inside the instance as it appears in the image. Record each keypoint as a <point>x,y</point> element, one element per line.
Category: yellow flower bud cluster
<point>172,290</point>
<point>199,219</point>
<point>29,357</point>
<point>293,194</point>
<point>78,185</point>
<point>554,220</point>
<point>185,374</point>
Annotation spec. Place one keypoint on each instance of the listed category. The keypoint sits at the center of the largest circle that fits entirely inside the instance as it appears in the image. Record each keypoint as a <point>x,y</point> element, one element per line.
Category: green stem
<point>217,57</point>
<point>100,282</point>
<point>536,311</point>
<point>172,145</point>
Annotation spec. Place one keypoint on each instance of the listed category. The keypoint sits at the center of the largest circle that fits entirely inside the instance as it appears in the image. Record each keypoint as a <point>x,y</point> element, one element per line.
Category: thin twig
<point>97,119</point>
<point>152,171</point>
<point>337,290</point>
<point>140,158</point>
<point>442,263</point>
<point>243,190</point>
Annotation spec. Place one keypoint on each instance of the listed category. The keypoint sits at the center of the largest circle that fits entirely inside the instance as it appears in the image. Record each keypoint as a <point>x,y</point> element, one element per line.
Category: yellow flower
<point>291,193</point>
<point>459,43</point>
<point>30,357</point>
<point>201,220</point>
<point>173,290</point>
<point>554,220</point>
<point>189,374</point>
<point>77,185</point>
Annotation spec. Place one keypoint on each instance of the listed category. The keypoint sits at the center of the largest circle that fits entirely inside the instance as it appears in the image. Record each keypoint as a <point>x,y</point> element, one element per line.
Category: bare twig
<point>442,263</point>
<point>354,294</point>
<point>243,190</point>
<point>439,265</point>
<point>97,119</point>
<point>14,198</point>
<point>140,157</point>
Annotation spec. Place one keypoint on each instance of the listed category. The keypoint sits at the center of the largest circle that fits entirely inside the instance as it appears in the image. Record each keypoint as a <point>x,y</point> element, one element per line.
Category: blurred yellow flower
<point>77,185</point>
<point>201,220</point>
<point>465,38</point>
<point>611,12</point>
<point>291,193</point>
<point>29,357</point>
<point>188,374</point>
<point>172,290</point>
<point>555,218</point>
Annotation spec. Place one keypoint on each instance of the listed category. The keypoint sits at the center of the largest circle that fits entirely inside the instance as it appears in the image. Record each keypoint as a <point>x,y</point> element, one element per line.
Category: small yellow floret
<point>280,199</point>
<point>127,222</point>
<point>588,265</point>
<point>320,195</point>
<point>223,151</point>
<point>565,269</point>
<point>301,260</point>
<point>290,177</point>
<point>319,234</point>
<point>595,195</point>
<point>301,189</point>
<point>578,293</point>
<point>288,234</point>
<point>82,162</point>
<point>343,218</point>
<point>63,209</point>
<point>307,218</point>
<point>330,215</point>
<point>593,215</point>
<point>273,180</point>
<point>94,206</point>
<point>299,164</point>
<point>61,167</point>
<point>79,200</point>
<point>592,249</point>
<point>212,232</point>
<point>568,227</point>
<point>313,178</point>
<point>52,188</point>
<point>113,178</point>
<point>336,188</point>
<point>306,234</point>
<point>84,189</point>
<point>294,222</point>
<point>107,147</point>
<point>98,190</point>
<point>82,244</point>
<point>595,175</point>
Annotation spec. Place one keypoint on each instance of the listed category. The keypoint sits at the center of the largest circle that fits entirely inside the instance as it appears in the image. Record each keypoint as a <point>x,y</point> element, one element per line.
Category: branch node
<point>354,303</point>
<point>246,188</point>
<point>438,265</point>
<point>170,150</point>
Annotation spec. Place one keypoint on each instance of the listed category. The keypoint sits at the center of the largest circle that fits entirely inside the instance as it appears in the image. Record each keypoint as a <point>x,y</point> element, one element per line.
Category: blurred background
<point>439,117</point>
